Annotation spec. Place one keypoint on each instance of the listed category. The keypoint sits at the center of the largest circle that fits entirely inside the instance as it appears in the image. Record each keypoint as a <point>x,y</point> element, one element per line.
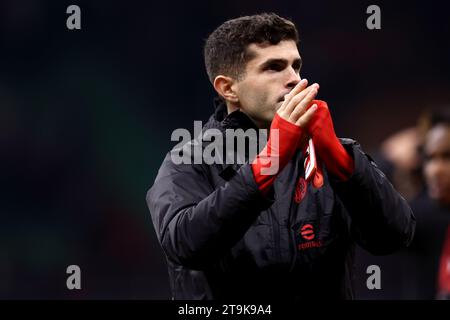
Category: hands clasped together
<point>300,118</point>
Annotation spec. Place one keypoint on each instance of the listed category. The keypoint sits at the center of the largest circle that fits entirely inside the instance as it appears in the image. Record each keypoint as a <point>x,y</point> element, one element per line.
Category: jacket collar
<point>222,120</point>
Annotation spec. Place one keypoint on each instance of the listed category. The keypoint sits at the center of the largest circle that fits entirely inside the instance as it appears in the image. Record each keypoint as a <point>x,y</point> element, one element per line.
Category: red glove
<point>283,140</point>
<point>336,159</point>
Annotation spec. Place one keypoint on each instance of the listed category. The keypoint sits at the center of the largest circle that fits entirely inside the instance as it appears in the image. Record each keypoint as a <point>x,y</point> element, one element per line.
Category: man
<point>260,230</point>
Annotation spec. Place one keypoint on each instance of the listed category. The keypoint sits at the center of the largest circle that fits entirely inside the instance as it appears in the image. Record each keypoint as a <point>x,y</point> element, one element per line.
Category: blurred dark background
<point>86,118</point>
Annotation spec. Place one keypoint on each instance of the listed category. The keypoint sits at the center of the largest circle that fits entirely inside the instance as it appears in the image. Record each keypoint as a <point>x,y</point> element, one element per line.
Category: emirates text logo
<point>306,236</point>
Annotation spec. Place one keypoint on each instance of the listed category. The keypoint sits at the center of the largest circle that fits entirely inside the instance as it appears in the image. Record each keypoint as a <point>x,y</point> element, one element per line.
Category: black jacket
<point>224,239</point>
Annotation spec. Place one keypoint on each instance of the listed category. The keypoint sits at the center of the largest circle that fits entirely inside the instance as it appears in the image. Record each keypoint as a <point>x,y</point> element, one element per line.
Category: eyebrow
<point>282,61</point>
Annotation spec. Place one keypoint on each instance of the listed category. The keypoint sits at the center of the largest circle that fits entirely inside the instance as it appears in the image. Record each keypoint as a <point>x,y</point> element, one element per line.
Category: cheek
<point>253,96</point>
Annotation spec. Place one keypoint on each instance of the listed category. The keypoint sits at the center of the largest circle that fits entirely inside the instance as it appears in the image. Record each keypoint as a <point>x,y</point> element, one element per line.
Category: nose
<point>293,78</point>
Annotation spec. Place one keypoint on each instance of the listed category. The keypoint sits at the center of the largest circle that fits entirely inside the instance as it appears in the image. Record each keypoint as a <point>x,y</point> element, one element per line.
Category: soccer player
<point>266,228</point>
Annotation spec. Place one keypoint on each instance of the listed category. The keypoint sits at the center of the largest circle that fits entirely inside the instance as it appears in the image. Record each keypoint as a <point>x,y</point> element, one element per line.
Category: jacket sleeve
<point>196,223</point>
<point>381,220</point>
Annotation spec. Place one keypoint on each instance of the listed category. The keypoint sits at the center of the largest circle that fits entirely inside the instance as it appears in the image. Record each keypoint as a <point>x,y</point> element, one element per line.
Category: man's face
<point>270,75</point>
<point>437,163</point>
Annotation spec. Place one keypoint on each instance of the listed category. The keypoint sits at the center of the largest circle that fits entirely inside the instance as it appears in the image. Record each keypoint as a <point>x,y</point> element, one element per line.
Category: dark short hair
<point>226,51</point>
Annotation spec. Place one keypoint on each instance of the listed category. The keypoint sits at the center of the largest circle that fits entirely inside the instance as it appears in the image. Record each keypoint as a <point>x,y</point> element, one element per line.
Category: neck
<point>231,107</point>
<point>261,125</point>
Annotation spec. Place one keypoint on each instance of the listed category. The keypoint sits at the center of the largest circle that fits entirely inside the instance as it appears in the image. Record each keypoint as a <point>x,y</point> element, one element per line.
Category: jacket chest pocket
<point>317,241</point>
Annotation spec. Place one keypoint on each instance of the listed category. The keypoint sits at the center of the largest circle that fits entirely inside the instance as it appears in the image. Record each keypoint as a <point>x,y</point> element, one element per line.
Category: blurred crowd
<point>417,162</point>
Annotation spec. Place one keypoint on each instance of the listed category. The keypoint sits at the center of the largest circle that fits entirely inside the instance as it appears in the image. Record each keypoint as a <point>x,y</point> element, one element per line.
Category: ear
<point>225,88</point>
